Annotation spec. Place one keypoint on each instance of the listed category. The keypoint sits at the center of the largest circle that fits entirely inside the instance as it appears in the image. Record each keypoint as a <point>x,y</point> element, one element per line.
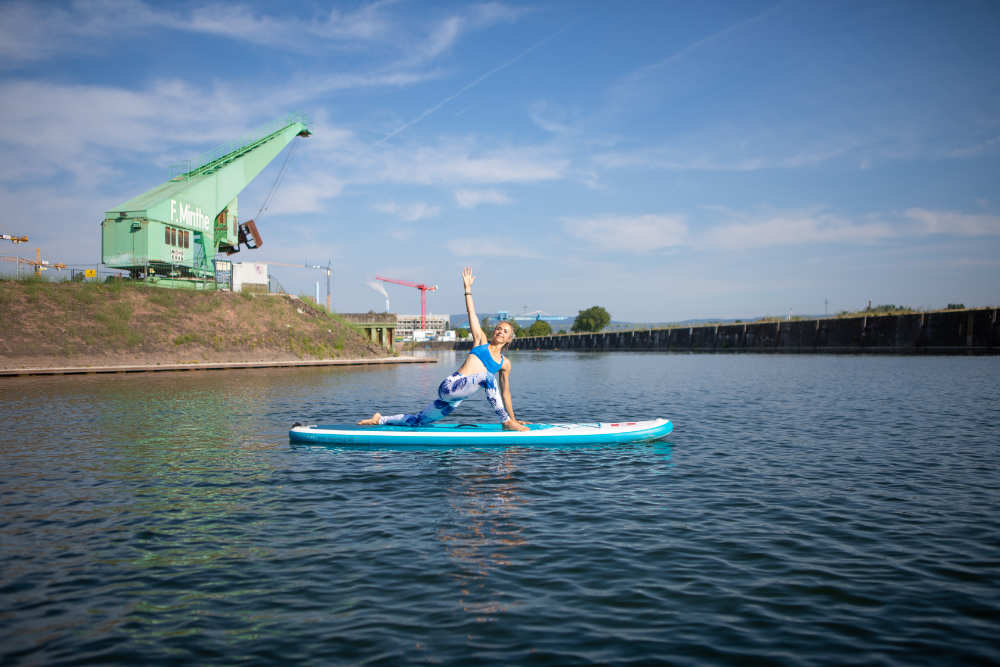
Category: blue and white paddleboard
<point>481,434</point>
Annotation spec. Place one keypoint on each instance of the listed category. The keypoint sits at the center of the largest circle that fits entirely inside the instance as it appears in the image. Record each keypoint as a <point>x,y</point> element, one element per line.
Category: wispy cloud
<point>635,234</point>
<point>953,223</point>
<point>786,229</point>
<point>549,119</point>
<point>677,159</point>
<point>33,31</point>
<point>411,212</point>
<point>742,230</point>
<point>309,194</point>
<point>473,198</point>
<point>637,83</point>
<point>460,162</point>
<point>981,148</point>
<point>469,86</point>
<point>475,247</point>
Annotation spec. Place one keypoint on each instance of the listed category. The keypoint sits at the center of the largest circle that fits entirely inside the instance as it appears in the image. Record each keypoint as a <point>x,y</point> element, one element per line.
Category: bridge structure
<point>171,234</point>
<point>379,328</point>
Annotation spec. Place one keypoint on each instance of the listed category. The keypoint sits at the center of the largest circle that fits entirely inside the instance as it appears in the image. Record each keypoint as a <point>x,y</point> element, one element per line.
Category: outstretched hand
<point>467,277</point>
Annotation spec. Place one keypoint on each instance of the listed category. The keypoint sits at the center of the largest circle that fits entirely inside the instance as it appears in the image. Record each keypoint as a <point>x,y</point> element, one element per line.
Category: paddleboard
<point>481,434</point>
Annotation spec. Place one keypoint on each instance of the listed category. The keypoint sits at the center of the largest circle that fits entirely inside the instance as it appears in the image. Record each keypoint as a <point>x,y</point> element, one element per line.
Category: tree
<point>461,333</point>
<point>594,318</point>
<point>539,328</point>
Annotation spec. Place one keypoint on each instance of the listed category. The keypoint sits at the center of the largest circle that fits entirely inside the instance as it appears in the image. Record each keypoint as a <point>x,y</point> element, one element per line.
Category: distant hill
<point>461,320</point>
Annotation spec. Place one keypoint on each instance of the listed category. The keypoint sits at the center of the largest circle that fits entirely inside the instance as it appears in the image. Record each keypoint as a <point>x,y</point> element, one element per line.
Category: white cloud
<point>976,149</point>
<point>34,31</point>
<point>476,247</point>
<point>442,37</point>
<point>638,234</point>
<point>89,131</point>
<point>473,198</point>
<point>458,163</point>
<point>813,227</point>
<point>678,160</point>
<point>955,224</point>
<point>543,115</point>
<point>408,212</point>
<point>794,229</point>
<point>306,196</point>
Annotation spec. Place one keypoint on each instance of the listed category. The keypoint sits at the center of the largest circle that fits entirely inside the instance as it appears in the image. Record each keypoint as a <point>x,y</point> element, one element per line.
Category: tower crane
<point>424,289</point>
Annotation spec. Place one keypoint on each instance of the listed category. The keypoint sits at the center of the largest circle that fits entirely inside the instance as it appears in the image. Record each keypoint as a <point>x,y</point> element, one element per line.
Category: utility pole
<point>329,273</point>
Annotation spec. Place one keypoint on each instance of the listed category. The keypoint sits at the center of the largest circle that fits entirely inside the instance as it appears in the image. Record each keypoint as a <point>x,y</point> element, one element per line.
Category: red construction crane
<point>424,289</point>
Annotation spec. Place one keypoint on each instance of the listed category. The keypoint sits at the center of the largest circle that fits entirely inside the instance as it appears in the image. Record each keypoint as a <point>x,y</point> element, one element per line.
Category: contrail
<point>470,85</point>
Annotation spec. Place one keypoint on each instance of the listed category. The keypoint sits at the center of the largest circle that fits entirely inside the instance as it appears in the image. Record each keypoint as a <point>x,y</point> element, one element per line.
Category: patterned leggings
<point>453,390</point>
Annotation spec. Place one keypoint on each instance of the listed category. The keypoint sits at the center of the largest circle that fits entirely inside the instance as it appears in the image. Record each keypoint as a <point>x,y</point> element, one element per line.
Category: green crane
<point>171,234</point>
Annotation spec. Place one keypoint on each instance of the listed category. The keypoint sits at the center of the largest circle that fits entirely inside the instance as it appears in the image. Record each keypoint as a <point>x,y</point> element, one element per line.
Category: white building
<point>250,277</point>
<point>434,327</point>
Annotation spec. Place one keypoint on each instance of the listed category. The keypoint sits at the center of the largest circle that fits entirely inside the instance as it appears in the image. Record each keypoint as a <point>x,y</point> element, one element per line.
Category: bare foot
<point>371,421</point>
<point>514,425</point>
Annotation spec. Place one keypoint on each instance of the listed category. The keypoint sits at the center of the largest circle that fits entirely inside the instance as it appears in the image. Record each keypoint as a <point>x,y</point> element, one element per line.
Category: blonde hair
<point>513,335</point>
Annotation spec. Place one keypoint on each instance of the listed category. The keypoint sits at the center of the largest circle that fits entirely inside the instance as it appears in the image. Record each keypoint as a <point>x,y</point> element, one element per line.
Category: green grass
<point>122,315</point>
<point>187,339</point>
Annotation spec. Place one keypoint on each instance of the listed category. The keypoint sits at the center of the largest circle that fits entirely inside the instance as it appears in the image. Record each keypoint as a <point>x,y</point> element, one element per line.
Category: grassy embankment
<point>90,324</point>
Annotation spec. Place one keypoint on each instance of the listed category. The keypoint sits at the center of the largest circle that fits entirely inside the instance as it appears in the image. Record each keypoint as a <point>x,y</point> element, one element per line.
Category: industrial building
<point>408,327</point>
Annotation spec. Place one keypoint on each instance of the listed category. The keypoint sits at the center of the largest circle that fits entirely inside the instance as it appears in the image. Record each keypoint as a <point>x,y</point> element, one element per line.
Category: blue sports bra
<point>483,353</point>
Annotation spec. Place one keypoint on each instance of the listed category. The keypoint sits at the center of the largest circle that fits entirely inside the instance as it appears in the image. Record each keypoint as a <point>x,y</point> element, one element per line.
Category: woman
<point>485,367</point>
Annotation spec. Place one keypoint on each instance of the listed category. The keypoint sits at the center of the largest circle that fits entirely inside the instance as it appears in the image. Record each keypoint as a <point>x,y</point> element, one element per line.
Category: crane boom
<point>424,289</point>
<point>177,228</point>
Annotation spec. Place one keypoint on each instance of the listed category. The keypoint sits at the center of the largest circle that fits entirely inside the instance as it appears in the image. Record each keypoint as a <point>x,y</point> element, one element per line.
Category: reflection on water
<point>484,532</point>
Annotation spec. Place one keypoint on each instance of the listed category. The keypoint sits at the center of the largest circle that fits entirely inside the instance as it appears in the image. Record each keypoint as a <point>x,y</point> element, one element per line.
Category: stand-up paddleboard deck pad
<point>480,435</point>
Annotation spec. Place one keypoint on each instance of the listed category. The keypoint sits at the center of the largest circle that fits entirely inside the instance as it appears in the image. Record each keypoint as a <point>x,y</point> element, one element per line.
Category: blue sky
<point>666,160</point>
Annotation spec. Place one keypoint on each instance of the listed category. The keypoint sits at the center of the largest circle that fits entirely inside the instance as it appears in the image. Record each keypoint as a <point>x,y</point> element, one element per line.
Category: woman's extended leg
<point>452,391</point>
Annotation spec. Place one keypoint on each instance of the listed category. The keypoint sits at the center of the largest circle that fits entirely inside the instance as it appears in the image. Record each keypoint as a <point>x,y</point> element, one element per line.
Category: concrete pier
<point>971,331</point>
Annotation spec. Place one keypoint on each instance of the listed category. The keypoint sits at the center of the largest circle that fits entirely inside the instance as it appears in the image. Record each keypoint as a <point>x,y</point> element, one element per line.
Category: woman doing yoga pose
<point>485,367</point>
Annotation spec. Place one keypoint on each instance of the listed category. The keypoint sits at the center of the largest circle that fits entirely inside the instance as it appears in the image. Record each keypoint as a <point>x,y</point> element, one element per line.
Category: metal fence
<point>13,267</point>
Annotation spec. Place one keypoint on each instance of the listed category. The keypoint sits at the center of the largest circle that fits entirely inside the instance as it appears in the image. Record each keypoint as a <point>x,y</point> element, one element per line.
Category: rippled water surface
<point>806,509</point>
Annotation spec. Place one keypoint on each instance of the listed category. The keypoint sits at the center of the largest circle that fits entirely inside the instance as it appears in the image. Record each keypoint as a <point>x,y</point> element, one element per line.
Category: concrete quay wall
<point>972,331</point>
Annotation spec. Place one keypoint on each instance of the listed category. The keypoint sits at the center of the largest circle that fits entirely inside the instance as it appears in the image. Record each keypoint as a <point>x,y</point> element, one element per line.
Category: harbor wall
<point>971,331</point>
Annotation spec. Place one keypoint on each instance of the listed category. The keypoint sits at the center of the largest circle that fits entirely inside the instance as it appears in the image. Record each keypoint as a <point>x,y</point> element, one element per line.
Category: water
<point>806,510</point>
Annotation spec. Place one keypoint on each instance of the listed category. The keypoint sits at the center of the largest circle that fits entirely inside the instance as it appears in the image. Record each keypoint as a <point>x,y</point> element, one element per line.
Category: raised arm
<point>478,337</point>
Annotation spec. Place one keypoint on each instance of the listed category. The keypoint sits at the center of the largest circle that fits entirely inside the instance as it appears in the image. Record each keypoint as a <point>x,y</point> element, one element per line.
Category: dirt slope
<point>91,324</point>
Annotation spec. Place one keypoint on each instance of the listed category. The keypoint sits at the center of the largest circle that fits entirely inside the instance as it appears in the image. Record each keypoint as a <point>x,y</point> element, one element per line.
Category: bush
<point>594,318</point>
<point>539,328</point>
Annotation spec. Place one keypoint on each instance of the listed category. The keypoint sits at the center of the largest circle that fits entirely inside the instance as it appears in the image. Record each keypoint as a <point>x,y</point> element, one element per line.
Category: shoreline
<point>209,366</point>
